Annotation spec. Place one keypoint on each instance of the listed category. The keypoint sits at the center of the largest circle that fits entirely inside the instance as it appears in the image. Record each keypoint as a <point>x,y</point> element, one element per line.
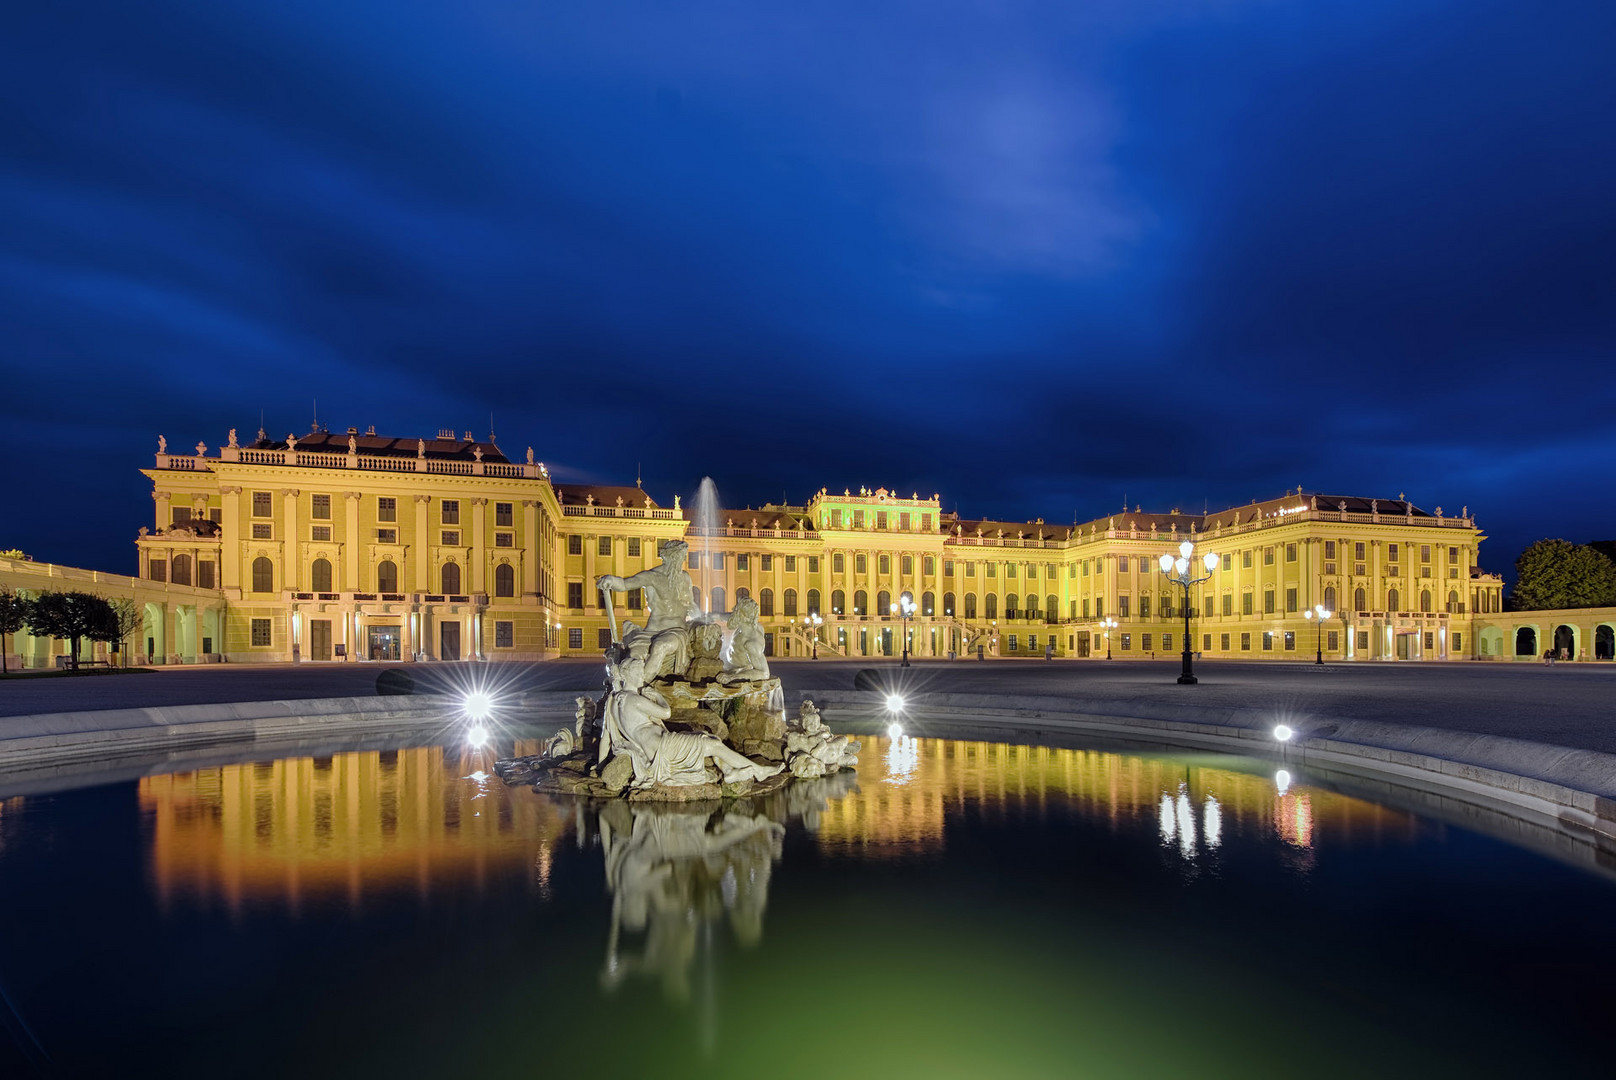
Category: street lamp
<point>1179,571</point>
<point>816,622</point>
<point>905,607</point>
<point>1107,624</point>
<point>1321,613</point>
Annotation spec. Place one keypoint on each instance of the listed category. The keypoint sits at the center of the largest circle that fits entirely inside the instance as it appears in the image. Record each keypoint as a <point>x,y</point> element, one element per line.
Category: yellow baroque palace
<point>347,547</point>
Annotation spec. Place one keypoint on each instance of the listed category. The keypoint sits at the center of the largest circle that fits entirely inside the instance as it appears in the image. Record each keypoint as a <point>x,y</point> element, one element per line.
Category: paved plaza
<point>1567,704</point>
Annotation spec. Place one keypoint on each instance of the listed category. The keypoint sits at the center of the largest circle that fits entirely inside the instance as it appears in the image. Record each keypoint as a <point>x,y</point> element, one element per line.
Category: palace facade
<point>346,547</point>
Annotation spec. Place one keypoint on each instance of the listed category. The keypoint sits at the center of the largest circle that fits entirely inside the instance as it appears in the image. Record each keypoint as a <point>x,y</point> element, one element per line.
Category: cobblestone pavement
<point>1567,704</point>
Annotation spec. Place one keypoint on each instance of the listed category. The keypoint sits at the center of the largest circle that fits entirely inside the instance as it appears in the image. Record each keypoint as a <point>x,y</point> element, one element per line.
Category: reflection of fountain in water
<point>706,525</point>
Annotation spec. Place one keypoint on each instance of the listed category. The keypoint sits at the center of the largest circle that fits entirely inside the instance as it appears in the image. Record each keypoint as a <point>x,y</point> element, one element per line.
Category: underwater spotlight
<point>478,705</point>
<point>894,703</point>
<point>1282,780</point>
<point>1283,733</point>
<point>477,736</point>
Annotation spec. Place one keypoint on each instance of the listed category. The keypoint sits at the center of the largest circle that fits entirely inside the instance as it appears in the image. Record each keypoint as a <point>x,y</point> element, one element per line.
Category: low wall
<point>1568,786</point>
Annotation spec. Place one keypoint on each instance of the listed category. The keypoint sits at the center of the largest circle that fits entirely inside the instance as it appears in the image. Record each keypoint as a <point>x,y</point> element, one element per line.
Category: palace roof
<point>604,495</point>
<point>334,442</point>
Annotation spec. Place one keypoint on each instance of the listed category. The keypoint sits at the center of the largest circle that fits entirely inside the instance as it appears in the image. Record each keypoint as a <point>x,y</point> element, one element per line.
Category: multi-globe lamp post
<point>1180,571</point>
<point>905,607</point>
<point>816,621</point>
<point>1107,625</point>
<point>1319,614</point>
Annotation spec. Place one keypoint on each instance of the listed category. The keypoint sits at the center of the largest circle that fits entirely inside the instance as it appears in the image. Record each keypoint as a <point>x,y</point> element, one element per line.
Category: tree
<point>1560,574</point>
<point>13,617</point>
<point>129,619</point>
<point>72,616</point>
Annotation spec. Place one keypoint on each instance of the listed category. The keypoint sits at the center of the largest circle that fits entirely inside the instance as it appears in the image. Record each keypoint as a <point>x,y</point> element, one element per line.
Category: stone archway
<point>1526,641</point>
<point>153,644</point>
<point>1492,642</point>
<point>1605,642</point>
<point>1565,641</point>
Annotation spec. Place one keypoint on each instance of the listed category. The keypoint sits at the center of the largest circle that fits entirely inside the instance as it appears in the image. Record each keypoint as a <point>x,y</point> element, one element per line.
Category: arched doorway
<point>1605,642</point>
<point>1526,641</point>
<point>1565,642</point>
<point>1492,642</point>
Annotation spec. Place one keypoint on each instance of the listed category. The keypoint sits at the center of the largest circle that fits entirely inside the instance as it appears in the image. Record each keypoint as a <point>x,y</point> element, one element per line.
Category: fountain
<point>687,716</point>
<point>705,525</point>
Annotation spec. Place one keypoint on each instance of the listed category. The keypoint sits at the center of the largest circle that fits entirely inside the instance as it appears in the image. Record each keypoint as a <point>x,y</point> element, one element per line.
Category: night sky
<point>1036,257</point>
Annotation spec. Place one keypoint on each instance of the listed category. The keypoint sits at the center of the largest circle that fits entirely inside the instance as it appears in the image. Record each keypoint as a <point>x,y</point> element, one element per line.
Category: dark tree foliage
<point>13,617</point>
<point>128,619</point>
<point>1560,574</point>
<point>72,617</point>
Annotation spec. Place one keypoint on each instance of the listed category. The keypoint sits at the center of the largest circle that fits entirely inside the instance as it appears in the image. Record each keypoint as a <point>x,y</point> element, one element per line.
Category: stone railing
<point>620,511</point>
<point>320,459</point>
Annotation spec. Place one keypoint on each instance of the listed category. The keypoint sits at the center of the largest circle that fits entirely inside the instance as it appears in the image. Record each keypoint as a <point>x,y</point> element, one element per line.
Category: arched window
<point>1392,600</point>
<point>695,596</point>
<point>718,600</point>
<point>948,604</point>
<point>263,575</point>
<point>838,602</point>
<point>1012,605</point>
<point>742,593</point>
<point>928,603</point>
<point>179,571</point>
<point>1052,608</point>
<point>766,602</point>
<point>451,577</point>
<point>790,599</point>
<point>813,601</point>
<point>990,606</point>
<point>970,605</point>
<point>1526,641</point>
<point>1329,598</point>
<point>1359,600</point>
<point>387,576</point>
<point>883,603</point>
<point>504,580</point>
<point>1425,600</point>
<point>320,575</point>
<point>1453,601</point>
<point>861,603</point>
<point>1032,605</point>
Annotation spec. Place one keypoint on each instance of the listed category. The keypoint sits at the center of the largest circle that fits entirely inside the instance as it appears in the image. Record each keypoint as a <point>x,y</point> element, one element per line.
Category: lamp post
<point>1320,613</point>
<point>1106,625</point>
<point>905,607</point>
<point>1179,571</point>
<point>816,622</point>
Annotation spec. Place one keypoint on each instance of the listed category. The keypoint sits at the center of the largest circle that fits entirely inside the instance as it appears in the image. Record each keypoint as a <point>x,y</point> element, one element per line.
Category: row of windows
<point>504,634</point>
<point>320,577</point>
<point>263,506</point>
<point>905,520</point>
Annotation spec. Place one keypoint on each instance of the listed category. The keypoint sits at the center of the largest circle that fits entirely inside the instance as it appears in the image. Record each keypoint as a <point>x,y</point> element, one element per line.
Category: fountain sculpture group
<point>691,711</point>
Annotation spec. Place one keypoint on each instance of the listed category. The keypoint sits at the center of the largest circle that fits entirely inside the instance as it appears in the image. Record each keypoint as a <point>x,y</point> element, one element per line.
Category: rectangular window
<point>1430,640</point>
<point>1224,642</point>
<point>1122,564</point>
<point>320,507</point>
<point>1122,606</point>
<point>634,600</point>
<point>768,563</point>
<point>1085,568</point>
<point>1290,600</point>
<point>1358,551</point>
<point>861,563</point>
<point>387,536</point>
<point>908,565</point>
<point>1329,549</point>
<point>603,638</point>
<point>1332,640</point>
<point>449,537</point>
<point>504,634</point>
<point>970,569</point>
<point>1290,552</point>
<point>505,539</point>
<point>634,547</point>
<point>1363,640</point>
<point>903,521</point>
<point>838,564</point>
<point>1228,561</point>
<point>1085,607</point>
<point>885,564</point>
<point>575,638</point>
<point>743,562</point>
<point>993,569</point>
<point>1268,601</point>
<point>1144,642</point>
<point>925,522</point>
<point>215,514</point>
<point>1245,559</point>
<point>836,519</point>
<point>1228,604</point>
<point>1144,608</point>
<point>575,594</point>
<point>1245,603</point>
<point>603,547</point>
<point>1457,645</point>
<point>928,565</point>
<point>260,633</point>
<point>1391,552</point>
<point>157,570</point>
<point>948,567</point>
<point>1268,556</point>
<point>320,533</point>
<point>204,578</point>
<point>858,519</point>
<point>180,515</point>
<point>718,560</point>
<point>386,508</point>
<point>1099,607</point>
<point>880,519</point>
<point>1453,554</point>
<point>1167,643</point>
<point>1010,642</point>
<point>450,509</point>
<point>263,530</point>
<point>1268,641</point>
<point>1071,570</point>
<point>791,564</point>
<point>813,564</point>
<point>1127,642</point>
<point>1425,553</point>
<point>504,515</point>
<point>1032,642</point>
<point>1290,641</point>
<point>1206,605</point>
<point>261,504</point>
<point>575,544</point>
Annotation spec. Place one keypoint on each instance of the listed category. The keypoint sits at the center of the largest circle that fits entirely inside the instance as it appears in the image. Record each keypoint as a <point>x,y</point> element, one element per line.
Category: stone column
<point>479,546</point>
<point>292,570</point>
<point>353,544</point>
<point>163,513</point>
<point>421,548</point>
<point>530,547</point>
<point>230,539</point>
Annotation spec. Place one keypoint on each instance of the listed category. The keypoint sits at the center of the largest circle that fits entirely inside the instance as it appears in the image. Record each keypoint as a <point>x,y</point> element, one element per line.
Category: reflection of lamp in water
<point>1282,781</point>
<point>477,736</point>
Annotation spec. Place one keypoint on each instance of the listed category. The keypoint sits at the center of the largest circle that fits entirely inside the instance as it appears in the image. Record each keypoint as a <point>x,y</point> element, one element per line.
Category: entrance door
<point>384,641</point>
<point>1402,646</point>
<point>319,639</point>
<point>449,641</point>
<point>886,641</point>
<point>768,643</point>
<point>1082,643</point>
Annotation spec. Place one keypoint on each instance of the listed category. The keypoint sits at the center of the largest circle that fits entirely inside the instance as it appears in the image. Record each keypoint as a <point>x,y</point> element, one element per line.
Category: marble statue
<point>353,445</point>
<point>633,724</point>
<point>233,444</point>
<point>812,750</point>
<point>746,659</point>
<point>530,455</point>
<point>162,445</point>
<point>420,448</point>
<point>291,442</point>
<point>663,644</point>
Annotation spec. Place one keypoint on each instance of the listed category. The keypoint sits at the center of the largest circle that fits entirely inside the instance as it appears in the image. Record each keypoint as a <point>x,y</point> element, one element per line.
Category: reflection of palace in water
<point>909,786</point>
<point>345,825</point>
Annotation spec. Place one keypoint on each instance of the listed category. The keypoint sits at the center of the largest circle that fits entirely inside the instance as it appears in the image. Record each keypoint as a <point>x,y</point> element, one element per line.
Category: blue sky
<point>1036,257</point>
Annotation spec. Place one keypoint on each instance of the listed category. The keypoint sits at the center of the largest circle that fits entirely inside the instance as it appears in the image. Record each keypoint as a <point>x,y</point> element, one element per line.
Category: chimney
<point>446,434</point>
<point>371,430</point>
<point>353,431</point>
